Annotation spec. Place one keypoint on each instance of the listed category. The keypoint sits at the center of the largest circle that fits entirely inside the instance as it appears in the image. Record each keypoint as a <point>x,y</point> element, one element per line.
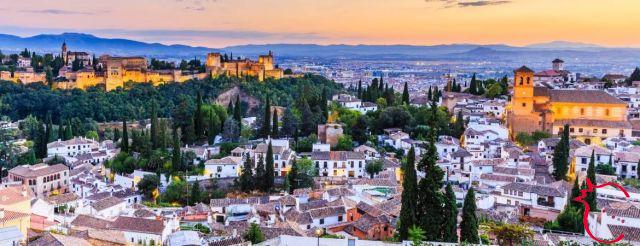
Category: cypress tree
<point>450,226</point>
<point>154,126</point>
<point>124,145</point>
<point>269,169</point>
<point>116,135</point>
<point>408,208</point>
<point>41,142</point>
<point>198,123</point>
<point>61,131</point>
<point>360,89</point>
<point>469,223</point>
<point>49,129</point>
<point>575,192</point>
<point>237,113</point>
<point>473,87</point>
<point>68,131</point>
<point>214,126</point>
<point>175,153</point>
<point>323,105</point>
<point>274,121</point>
<point>381,85</point>
<point>260,174</point>
<point>405,94</point>
<point>246,177</point>
<point>591,175</point>
<point>196,193</point>
<point>293,176</point>
<point>266,123</point>
<point>429,94</point>
<point>230,110</point>
<point>430,199</point>
<point>561,156</point>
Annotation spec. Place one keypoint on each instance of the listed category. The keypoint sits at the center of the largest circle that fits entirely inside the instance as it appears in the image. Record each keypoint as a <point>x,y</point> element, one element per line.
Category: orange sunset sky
<point>219,23</point>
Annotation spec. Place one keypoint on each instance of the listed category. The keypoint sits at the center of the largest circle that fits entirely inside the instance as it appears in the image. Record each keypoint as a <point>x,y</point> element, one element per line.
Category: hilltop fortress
<point>82,71</point>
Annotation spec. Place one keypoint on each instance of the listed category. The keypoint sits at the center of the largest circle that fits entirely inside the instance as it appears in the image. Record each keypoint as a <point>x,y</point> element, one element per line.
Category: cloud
<point>466,3</point>
<point>482,3</point>
<point>56,12</point>
<point>195,8</point>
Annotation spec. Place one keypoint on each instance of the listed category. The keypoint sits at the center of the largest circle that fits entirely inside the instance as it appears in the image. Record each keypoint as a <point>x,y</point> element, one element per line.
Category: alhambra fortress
<point>114,71</point>
<point>592,115</point>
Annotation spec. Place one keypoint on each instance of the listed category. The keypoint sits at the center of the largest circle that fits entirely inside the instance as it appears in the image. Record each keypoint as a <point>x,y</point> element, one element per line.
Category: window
<point>607,112</point>
<point>519,193</point>
<point>528,80</point>
<point>322,221</point>
<point>580,130</point>
<point>339,217</point>
<point>582,111</point>
<point>595,130</point>
<point>524,104</point>
<point>571,130</point>
<point>604,131</point>
<point>521,80</point>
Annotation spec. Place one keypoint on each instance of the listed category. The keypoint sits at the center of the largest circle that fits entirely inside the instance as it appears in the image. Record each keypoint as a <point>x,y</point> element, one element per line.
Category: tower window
<point>521,80</point>
<point>528,80</point>
<point>581,111</point>
<point>607,112</point>
<point>524,104</point>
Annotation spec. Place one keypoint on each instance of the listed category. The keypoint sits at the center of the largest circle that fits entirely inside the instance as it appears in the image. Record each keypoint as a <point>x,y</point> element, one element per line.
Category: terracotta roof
<point>541,91</point>
<point>106,203</point>
<point>496,177</point>
<point>632,157</point>
<point>337,155</point>
<point>368,209</point>
<point>524,69</point>
<point>595,123</point>
<point>61,199</point>
<point>584,96</point>
<point>630,233</point>
<point>537,189</point>
<point>12,195</point>
<point>223,202</point>
<point>623,209</point>
<point>326,212</point>
<point>50,239</point>
<point>229,160</point>
<point>12,215</point>
<point>85,221</point>
<point>138,225</point>
<point>37,170</point>
<point>366,222</point>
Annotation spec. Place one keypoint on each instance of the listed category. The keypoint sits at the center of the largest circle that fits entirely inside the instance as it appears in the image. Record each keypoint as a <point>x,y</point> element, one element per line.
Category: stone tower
<point>522,101</point>
<point>558,64</point>
<point>267,61</point>
<point>213,60</point>
<point>63,52</point>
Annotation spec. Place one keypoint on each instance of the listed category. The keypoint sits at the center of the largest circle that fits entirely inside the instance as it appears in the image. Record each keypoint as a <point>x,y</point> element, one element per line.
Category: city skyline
<point>220,23</point>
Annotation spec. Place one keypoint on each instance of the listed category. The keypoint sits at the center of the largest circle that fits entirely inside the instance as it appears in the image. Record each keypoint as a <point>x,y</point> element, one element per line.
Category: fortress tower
<point>267,61</point>
<point>64,52</point>
<point>213,60</point>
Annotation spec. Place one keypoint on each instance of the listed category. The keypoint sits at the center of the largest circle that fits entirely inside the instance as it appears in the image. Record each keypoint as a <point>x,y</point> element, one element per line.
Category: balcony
<point>546,202</point>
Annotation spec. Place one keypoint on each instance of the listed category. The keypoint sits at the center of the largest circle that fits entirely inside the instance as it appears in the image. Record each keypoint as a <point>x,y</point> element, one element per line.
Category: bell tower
<point>63,52</point>
<point>522,101</point>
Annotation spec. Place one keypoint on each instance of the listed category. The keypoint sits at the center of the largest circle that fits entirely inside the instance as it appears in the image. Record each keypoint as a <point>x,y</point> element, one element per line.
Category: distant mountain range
<point>98,45</point>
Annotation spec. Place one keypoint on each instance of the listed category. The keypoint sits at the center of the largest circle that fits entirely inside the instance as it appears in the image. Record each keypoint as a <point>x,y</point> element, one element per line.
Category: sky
<point>220,23</point>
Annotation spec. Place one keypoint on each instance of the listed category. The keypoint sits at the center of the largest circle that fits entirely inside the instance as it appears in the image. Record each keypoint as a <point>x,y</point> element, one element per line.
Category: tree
<point>260,174</point>
<point>575,193</point>
<point>605,169</point>
<point>450,226</point>
<point>360,89</point>
<point>196,193</point>
<point>237,112</point>
<point>301,174</point>
<point>41,142</point>
<point>68,131</point>
<point>473,86</point>
<point>458,127</point>
<point>176,159</point>
<point>49,129</point>
<point>254,234</point>
<point>266,123</point>
<point>494,91</point>
<point>124,145</point>
<point>345,143</point>
<point>358,131</point>
<point>148,185</point>
<point>269,170</point>
<point>199,118</point>
<point>591,175</point>
<point>246,177</point>
<point>409,196</point>
<point>508,234</point>
<point>230,131</point>
<point>635,76</point>
<point>405,94</point>
<point>274,121</point>
<point>154,126</point>
<point>469,223</point>
<point>116,134</point>
<point>289,123</point>
<point>561,156</point>
<point>416,235</point>
<point>374,167</point>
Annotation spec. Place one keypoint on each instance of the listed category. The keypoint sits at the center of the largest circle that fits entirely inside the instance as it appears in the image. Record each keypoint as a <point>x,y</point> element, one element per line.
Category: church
<point>592,115</point>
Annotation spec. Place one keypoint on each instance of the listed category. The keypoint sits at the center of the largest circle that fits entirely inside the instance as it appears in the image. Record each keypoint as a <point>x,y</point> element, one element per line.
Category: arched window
<point>521,80</point>
<point>528,80</point>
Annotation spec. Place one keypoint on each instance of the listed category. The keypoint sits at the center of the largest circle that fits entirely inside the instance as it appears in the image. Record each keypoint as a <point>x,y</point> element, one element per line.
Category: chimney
<point>1,213</point>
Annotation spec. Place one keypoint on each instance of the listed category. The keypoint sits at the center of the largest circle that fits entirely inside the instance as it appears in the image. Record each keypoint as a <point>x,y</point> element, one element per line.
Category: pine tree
<point>409,199</point>
<point>591,175</point>
<point>450,226</point>
<point>176,159</point>
<point>405,94</point>
<point>274,121</point>
<point>269,170</point>
<point>246,177</point>
<point>561,156</point>
<point>124,145</point>
<point>469,223</point>
<point>266,123</point>
<point>429,196</point>
<point>154,126</point>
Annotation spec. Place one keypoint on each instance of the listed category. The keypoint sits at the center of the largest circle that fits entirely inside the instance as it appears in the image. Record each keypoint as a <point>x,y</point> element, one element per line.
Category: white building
<point>227,167</point>
<point>339,163</point>
<point>71,147</point>
<point>138,231</point>
<point>539,201</point>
